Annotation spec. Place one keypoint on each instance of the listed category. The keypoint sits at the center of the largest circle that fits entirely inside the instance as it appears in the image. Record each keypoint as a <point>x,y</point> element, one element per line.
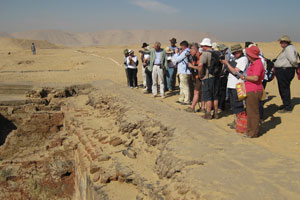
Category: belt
<point>157,64</point>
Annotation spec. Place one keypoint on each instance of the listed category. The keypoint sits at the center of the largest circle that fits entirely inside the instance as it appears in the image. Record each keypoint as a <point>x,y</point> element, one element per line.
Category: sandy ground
<point>67,66</point>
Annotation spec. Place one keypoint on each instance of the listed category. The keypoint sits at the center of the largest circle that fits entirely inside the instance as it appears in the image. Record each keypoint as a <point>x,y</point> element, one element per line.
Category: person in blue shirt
<point>184,73</point>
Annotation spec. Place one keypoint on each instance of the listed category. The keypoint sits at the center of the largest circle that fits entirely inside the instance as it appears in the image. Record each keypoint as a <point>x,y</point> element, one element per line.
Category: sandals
<point>189,109</point>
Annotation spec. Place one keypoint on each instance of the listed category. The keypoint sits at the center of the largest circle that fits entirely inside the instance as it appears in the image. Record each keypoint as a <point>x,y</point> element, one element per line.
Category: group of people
<point>208,75</point>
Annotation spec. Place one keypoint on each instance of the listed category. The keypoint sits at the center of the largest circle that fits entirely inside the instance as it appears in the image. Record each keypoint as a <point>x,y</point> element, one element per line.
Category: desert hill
<point>12,44</point>
<point>111,37</point>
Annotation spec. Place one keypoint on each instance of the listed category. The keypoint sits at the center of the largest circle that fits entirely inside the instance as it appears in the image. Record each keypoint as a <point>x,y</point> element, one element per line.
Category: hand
<point>224,62</point>
<point>176,50</point>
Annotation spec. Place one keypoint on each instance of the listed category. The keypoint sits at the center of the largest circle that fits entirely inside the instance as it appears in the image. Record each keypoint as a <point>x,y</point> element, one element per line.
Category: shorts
<point>210,89</point>
<point>236,105</point>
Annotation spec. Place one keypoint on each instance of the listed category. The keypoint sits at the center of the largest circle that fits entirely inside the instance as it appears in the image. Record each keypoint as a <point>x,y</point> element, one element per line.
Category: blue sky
<point>228,20</point>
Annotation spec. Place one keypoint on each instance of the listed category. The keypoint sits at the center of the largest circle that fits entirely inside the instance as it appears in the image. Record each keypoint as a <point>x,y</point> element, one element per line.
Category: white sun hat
<point>206,42</point>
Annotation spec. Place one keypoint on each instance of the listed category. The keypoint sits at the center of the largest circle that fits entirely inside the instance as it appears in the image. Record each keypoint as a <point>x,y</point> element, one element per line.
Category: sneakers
<point>207,116</point>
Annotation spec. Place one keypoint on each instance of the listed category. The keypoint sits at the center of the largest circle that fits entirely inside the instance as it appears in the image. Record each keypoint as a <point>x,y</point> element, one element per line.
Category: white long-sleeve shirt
<point>133,64</point>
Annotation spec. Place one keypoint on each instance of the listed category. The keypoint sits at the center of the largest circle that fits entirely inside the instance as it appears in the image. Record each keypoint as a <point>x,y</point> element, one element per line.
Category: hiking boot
<point>207,116</point>
<point>216,115</point>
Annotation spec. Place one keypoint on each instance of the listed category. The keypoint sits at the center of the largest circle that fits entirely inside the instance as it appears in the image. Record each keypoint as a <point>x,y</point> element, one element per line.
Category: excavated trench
<point>53,147</point>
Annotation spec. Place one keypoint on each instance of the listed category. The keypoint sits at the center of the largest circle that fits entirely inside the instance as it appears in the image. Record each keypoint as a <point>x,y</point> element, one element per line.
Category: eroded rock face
<point>33,161</point>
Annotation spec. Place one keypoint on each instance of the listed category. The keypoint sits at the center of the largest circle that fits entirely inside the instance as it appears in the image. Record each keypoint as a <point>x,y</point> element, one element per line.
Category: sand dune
<point>15,44</point>
<point>111,37</point>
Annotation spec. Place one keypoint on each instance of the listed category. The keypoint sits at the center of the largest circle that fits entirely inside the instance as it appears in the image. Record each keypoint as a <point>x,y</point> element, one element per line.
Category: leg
<point>154,80</point>
<point>161,82</point>
<point>127,77</point>
<point>149,81</point>
<point>186,88</point>
<point>284,78</point>
<point>195,99</point>
<point>135,77</point>
<point>144,77</point>
<point>130,77</point>
<point>252,108</point>
<point>170,78</point>
<point>181,96</point>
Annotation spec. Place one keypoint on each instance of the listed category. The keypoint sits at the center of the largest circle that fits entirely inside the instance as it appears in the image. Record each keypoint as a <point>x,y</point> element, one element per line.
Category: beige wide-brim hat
<point>168,50</point>
<point>236,47</point>
<point>285,38</point>
<point>130,51</point>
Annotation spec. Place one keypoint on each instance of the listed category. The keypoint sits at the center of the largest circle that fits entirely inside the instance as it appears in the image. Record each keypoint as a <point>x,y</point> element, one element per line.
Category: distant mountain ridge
<point>111,37</point>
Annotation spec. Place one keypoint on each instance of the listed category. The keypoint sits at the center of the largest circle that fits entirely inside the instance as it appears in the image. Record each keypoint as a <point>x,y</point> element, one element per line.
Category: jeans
<point>170,79</point>
<point>284,77</point>
<point>158,74</point>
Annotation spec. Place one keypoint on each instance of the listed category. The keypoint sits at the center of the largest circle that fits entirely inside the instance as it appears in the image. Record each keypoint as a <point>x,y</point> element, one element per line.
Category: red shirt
<point>255,69</point>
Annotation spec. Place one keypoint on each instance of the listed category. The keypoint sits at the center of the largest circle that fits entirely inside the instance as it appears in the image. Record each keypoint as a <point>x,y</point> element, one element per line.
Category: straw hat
<point>130,51</point>
<point>253,52</point>
<point>236,47</point>
<point>168,50</point>
<point>222,47</point>
<point>206,42</point>
<point>285,38</point>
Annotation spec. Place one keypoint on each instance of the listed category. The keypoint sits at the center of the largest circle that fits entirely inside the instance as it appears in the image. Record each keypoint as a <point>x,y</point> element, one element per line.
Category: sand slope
<point>111,37</point>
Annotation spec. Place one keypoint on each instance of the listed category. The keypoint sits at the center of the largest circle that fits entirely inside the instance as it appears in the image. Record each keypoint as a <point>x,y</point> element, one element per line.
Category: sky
<point>227,20</point>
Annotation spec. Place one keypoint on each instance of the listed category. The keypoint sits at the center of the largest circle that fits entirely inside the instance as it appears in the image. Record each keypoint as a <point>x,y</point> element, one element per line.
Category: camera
<point>189,57</point>
<point>222,57</point>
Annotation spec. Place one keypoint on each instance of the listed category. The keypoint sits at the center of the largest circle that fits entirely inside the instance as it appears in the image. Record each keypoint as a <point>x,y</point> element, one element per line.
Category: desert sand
<point>170,154</point>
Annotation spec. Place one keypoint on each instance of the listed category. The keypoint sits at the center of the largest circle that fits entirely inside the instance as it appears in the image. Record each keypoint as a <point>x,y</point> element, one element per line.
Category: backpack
<point>270,71</point>
<point>216,66</point>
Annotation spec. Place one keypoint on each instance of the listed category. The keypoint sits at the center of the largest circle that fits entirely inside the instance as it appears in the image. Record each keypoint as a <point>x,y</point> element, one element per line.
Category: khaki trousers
<point>252,108</point>
<point>158,74</point>
<point>184,88</point>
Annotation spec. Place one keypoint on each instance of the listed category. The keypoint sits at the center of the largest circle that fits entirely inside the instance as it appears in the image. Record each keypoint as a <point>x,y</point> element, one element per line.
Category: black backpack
<point>270,71</point>
<point>216,66</point>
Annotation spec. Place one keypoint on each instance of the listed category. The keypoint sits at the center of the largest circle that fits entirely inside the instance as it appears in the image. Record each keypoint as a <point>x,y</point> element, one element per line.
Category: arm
<point>249,78</point>
<point>232,69</point>
<point>179,58</point>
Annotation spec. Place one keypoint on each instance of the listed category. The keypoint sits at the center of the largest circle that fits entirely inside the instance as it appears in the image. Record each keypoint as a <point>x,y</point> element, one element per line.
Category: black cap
<point>145,45</point>
<point>173,40</point>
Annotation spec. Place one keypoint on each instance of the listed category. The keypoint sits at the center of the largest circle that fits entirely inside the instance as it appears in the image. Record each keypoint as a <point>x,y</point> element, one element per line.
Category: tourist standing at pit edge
<point>184,73</point>
<point>132,63</point>
<point>210,83</point>
<point>285,67</point>
<point>158,66</point>
<point>253,82</point>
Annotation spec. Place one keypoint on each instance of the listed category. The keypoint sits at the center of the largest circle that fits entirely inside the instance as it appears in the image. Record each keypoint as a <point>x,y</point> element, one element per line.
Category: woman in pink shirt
<point>254,88</point>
